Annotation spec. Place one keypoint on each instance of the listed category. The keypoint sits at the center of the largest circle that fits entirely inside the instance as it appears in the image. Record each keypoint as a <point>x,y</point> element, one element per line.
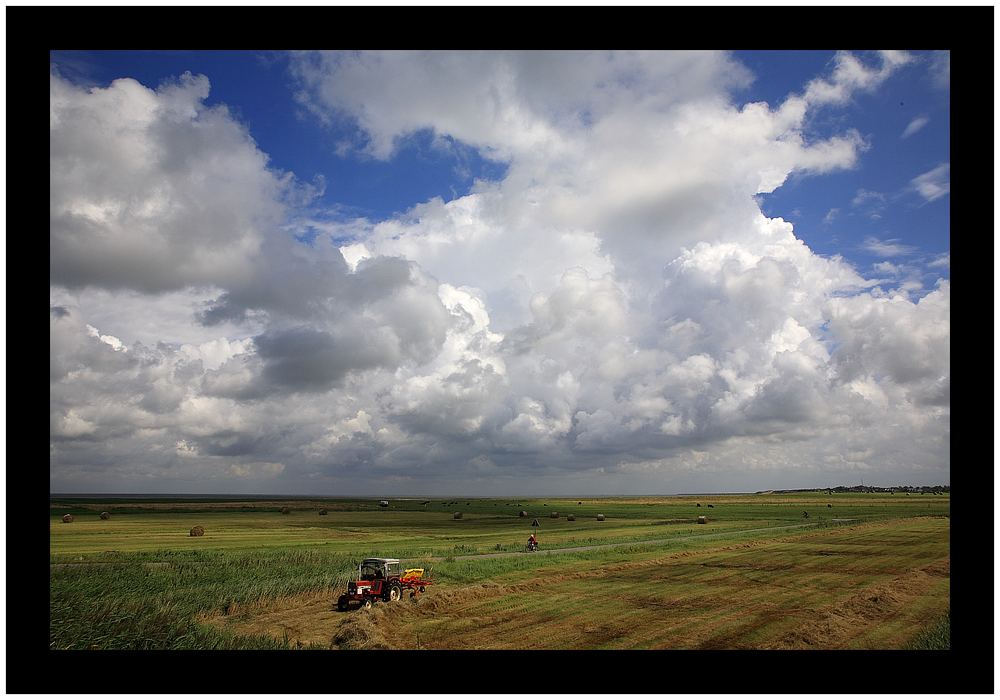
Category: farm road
<point>493,555</point>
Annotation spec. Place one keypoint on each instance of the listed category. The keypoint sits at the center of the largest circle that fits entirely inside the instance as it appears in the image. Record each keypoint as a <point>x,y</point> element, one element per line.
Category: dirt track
<point>582,548</point>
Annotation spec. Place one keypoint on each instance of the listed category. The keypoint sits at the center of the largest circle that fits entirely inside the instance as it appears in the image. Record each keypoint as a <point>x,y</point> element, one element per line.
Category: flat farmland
<point>868,571</point>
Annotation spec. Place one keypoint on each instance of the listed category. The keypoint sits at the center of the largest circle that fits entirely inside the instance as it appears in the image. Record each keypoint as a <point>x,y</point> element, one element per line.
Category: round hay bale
<point>702,520</point>
<point>105,515</point>
<point>323,512</point>
<point>286,510</point>
<point>67,518</point>
<point>457,516</point>
<point>571,517</point>
<point>197,531</point>
<point>600,516</point>
<point>554,515</point>
<point>829,506</point>
<point>699,505</point>
<point>523,514</point>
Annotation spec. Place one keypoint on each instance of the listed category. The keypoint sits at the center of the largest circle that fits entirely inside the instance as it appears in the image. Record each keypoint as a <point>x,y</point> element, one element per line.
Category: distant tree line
<point>939,489</point>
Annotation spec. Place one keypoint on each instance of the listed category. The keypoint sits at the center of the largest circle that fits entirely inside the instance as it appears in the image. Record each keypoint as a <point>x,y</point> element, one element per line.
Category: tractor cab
<point>379,569</point>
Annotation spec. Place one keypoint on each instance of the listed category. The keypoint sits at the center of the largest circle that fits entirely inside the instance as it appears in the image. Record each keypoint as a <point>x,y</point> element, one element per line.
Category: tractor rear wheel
<point>394,593</point>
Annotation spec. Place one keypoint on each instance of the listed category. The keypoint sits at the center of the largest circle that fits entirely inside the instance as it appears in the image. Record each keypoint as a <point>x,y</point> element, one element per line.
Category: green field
<point>861,571</point>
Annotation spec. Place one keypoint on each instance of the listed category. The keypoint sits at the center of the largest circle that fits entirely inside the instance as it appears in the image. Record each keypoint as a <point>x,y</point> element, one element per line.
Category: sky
<point>498,273</point>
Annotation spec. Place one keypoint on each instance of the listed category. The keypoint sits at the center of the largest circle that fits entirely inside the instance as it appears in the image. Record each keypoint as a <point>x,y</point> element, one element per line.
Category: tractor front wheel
<point>367,604</point>
<point>342,603</point>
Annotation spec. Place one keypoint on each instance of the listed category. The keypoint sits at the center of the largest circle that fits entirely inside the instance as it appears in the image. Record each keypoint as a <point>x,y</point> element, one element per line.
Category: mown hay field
<point>870,571</point>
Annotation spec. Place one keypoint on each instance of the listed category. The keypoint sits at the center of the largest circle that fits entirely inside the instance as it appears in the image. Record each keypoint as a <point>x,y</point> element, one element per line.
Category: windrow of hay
<point>851,617</point>
<point>448,599</point>
<point>382,627</point>
<point>365,629</point>
<point>197,531</point>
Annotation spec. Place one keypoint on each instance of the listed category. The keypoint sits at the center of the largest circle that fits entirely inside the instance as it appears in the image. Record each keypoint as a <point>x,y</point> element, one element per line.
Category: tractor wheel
<point>367,604</point>
<point>342,604</point>
<point>394,593</point>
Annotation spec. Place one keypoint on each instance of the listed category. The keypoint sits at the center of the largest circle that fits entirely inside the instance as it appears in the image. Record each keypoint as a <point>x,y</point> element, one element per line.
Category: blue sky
<point>886,169</point>
<point>450,273</point>
<point>257,88</point>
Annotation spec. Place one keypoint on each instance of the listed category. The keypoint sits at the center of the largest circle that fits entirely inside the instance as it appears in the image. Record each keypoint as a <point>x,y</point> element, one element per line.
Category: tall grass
<point>937,636</point>
<point>149,600</point>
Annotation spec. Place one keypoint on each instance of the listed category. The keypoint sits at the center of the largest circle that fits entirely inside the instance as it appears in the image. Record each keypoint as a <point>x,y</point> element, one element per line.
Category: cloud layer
<point>615,314</point>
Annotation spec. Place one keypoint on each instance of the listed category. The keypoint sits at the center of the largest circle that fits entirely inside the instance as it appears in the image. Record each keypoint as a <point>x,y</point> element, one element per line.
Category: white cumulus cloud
<point>914,126</point>
<point>935,183</point>
<point>615,309</point>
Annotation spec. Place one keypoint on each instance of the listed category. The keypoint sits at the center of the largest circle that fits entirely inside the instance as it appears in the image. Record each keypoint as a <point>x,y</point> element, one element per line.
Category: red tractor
<point>382,579</point>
